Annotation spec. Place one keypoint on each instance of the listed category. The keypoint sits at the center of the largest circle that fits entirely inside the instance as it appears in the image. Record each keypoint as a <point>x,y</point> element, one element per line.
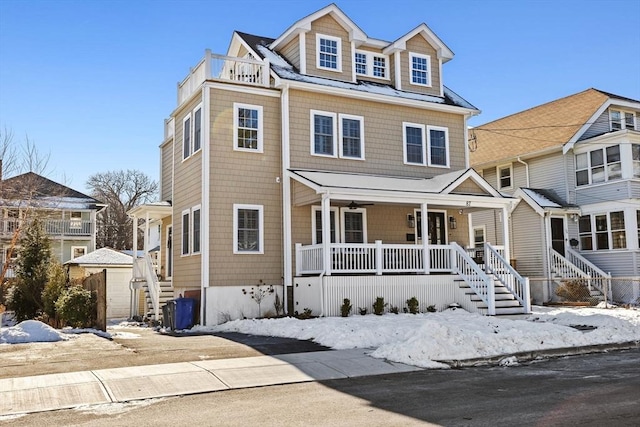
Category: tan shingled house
<point>574,165</point>
<point>313,162</point>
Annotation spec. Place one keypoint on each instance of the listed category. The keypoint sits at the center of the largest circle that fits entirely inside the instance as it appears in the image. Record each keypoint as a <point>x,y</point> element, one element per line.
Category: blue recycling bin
<point>185,309</point>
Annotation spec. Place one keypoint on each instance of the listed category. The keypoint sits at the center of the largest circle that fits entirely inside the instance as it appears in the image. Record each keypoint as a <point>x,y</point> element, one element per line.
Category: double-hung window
<point>316,220</point>
<point>197,129</point>
<point>329,51</point>
<point>351,137</point>
<point>505,174</point>
<point>420,66</point>
<point>371,64</point>
<point>414,143</point>
<point>247,129</point>
<point>248,225</point>
<point>596,166</point>
<point>438,146</point>
<point>602,231</point>
<point>186,230</point>
<point>635,159</point>
<point>323,133</point>
<point>196,220</point>
<point>186,137</point>
<point>621,120</point>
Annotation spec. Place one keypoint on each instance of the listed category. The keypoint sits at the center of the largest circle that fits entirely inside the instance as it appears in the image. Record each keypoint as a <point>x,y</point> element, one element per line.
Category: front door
<point>437,227</point>
<point>557,234</point>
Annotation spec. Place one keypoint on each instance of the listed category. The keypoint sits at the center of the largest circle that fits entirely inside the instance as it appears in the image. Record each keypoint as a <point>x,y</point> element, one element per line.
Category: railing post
<point>265,73</point>
<point>298,258</point>
<point>526,296</point>
<point>491,297</point>
<point>379,257</point>
<point>453,259</point>
<point>207,64</point>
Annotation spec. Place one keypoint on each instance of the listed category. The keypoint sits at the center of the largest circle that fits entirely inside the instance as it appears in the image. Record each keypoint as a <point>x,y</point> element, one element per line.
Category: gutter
<point>526,169</point>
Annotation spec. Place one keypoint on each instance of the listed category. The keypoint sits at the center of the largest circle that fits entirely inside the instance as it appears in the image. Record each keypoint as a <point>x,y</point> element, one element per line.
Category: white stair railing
<point>503,271</point>
<point>600,280</point>
<point>473,275</point>
<point>144,269</point>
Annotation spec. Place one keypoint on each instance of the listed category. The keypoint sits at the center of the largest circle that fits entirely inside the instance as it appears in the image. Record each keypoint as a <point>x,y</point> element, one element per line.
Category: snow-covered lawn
<point>421,339</point>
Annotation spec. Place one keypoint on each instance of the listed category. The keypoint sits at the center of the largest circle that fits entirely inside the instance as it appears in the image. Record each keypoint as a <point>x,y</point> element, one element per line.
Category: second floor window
<point>505,174</point>
<point>248,225</point>
<point>420,69</point>
<point>196,229</point>
<point>438,146</point>
<point>351,141</point>
<point>323,133</point>
<point>635,158</point>
<point>603,164</point>
<point>247,129</point>
<point>329,50</point>
<point>414,144</point>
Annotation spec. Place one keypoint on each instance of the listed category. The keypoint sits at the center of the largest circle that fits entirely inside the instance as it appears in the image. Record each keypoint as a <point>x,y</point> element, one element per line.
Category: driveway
<point>136,346</point>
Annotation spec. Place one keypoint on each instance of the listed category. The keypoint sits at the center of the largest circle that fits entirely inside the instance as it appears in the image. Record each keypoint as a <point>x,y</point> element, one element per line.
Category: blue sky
<point>91,81</point>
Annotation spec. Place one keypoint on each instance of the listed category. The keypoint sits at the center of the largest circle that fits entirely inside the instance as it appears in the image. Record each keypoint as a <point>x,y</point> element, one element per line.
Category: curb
<point>527,356</point>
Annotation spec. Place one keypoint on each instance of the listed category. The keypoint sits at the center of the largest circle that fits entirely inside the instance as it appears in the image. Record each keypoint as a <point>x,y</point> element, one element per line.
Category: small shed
<point>119,272</point>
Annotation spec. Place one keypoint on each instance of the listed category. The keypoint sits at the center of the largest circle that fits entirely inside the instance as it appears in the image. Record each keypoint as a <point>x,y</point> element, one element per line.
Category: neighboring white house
<point>118,266</point>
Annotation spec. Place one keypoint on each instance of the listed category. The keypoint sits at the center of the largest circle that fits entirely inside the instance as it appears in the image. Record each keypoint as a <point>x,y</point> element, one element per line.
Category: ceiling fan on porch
<point>354,205</point>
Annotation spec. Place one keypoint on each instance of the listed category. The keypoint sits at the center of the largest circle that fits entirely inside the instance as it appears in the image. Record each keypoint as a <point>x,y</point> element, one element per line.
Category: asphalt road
<point>592,390</point>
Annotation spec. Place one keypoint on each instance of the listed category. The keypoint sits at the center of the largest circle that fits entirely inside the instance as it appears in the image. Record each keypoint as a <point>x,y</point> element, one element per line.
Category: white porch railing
<point>143,269</point>
<point>227,68</point>
<point>53,227</point>
<point>474,276</point>
<point>599,279</point>
<point>503,271</point>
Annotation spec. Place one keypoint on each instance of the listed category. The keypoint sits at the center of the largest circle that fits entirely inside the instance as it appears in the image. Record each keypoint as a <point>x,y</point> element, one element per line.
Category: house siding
<point>329,27</point>
<point>528,232</point>
<point>240,177</point>
<point>599,127</point>
<point>291,52</point>
<point>469,187</point>
<point>418,44</point>
<point>608,192</point>
<point>166,174</point>
<point>618,263</point>
<point>383,135</point>
<point>550,172</point>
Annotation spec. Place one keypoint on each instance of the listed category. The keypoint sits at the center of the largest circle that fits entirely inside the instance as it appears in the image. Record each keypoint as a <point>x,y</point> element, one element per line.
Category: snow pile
<point>424,339</point>
<point>30,331</point>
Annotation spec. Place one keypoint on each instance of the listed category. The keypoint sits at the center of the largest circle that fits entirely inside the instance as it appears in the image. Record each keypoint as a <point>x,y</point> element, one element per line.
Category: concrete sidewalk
<point>61,391</point>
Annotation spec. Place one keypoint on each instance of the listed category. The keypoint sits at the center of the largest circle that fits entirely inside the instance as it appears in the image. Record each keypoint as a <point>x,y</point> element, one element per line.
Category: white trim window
<point>420,69</point>
<point>196,229</point>
<point>323,133</point>
<point>479,233</point>
<point>197,129</point>
<point>635,160</point>
<point>414,143</point>
<point>186,137</point>
<point>371,64</point>
<point>596,166</point>
<point>78,251</point>
<point>438,141</point>
<point>505,176</point>
<point>75,220</point>
<point>619,120</point>
<point>329,50</point>
<point>602,231</point>
<point>316,224</point>
<point>186,230</point>
<point>353,225</point>
<point>247,127</point>
<point>248,229</point>
<point>351,136</point>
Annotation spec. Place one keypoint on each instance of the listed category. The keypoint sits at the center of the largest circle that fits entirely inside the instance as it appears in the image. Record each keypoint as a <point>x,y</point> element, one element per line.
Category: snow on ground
<point>424,339</point>
<point>30,331</point>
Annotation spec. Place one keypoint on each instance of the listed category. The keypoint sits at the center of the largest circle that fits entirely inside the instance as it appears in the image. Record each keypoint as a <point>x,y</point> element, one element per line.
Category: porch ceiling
<point>406,190</point>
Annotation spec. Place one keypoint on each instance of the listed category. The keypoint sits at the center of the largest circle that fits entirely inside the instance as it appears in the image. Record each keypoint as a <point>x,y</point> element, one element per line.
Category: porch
<point>53,227</point>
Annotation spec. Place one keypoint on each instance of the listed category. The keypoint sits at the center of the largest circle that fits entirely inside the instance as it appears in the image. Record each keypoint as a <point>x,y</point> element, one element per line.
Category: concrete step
<point>508,311</point>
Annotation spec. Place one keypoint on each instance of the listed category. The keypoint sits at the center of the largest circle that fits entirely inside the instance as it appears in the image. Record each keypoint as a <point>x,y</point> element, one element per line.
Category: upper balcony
<point>224,68</point>
<point>53,227</point>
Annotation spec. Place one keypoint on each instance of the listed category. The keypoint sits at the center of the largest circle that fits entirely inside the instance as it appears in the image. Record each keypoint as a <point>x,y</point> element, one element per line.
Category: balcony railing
<point>53,227</point>
<point>226,68</point>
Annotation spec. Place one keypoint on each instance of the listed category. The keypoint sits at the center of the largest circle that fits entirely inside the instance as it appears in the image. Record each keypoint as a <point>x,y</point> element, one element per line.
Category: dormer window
<point>621,120</point>
<point>328,52</point>
<point>420,69</point>
<point>371,64</point>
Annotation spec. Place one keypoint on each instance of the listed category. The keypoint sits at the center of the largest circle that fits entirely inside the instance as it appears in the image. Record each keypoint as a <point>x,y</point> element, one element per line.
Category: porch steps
<point>506,302</point>
<point>593,292</point>
<point>166,294</point>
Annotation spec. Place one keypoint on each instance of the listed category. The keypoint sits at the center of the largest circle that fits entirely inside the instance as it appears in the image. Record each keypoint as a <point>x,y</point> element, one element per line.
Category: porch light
<point>411,221</point>
<point>453,224</point>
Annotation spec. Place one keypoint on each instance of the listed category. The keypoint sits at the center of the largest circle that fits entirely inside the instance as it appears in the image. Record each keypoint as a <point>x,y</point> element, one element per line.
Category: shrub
<point>573,290</point>
<point>259,293</point>
<point>76,307</point>
<point>394,309</point>
<point>345,308</point>
<point>306,314</point>
<point>362,310</point>
<point>56,284</point>
<point>412,304</point>
<point>378,306</point>
<point>431,309</point>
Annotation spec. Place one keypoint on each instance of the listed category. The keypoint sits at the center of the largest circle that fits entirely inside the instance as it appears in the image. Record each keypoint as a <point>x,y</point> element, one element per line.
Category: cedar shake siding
<point>166,176</point>
<point>419,45</point>
<point>327,26</point>
<point>240,177</point>
<point>291,51</point>
<point>383,135</point>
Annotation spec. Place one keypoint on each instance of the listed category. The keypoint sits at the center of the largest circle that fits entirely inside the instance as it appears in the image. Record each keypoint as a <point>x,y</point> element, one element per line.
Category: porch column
<point>326,233</point>
<point>424,224</point>
<point>505,232</point>
<point>134,223</point>
<point>146,233</point>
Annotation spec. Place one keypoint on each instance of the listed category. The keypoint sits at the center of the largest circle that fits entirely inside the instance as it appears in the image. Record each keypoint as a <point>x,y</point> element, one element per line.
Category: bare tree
<point>121,191</point>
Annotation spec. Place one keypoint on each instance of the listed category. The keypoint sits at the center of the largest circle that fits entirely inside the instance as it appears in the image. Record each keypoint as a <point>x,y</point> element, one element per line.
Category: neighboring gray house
<point>574,164</point>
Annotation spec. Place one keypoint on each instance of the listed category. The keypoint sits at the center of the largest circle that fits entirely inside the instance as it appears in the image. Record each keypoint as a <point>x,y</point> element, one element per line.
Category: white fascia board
<point>253,90</point>
<point>368,96</point>
<point>236,43</point>
<point>619,137</point>
<point>443,50</point>
<point>475,177</point>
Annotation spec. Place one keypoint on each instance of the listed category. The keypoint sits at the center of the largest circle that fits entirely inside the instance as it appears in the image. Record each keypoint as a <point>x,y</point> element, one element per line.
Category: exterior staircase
<point>573,266</point>
<point>506,303</point>
<point>165,294</point>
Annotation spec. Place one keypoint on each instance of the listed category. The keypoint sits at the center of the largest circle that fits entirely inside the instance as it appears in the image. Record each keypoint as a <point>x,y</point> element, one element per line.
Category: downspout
<point>526,165</point>
<point>205,206</point>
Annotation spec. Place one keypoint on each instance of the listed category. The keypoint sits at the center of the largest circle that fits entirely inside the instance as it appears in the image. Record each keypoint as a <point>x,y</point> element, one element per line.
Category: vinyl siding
<point>329,27</point>
<point>166,168</point>
<point>618,263</point>
<point>528,240</point>
<point>419,45</point>
<point>291,52</point>
<point>599,126</point>
<point>550,172</point>
<point>468,187</point>
<point>383,135</point>
<point>239,177</point>
<point>608,192</point>
<point>493,227</point>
